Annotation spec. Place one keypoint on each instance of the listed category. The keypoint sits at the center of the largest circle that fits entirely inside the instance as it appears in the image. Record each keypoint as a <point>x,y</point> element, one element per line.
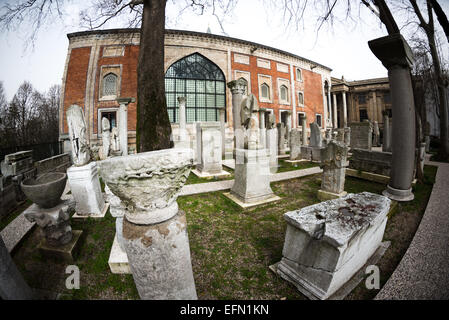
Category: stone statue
<point>106,136</point>
<point>78,135</point>
<point>115,142</point>
<point>250,122</point>
<point>333,163</point>
<point>271,121</point>
<point>56,225</point>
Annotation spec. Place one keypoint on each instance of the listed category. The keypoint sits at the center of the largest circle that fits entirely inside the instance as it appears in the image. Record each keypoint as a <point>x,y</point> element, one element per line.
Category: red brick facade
<point>83,78</point>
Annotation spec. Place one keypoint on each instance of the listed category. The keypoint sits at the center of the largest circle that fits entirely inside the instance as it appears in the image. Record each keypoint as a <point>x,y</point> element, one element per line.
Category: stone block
<point>14,157</point>
<point>85,186</point>
<point>327,195</point>
<point>295,144</point>
<point>65,253</point>
<point>306,153</point>
<point>371,161</point>
<point>361,135</point>
<point>118,259</point>
<point>209,147</point>
<point>327,243</point>
<point>252,176</point>
<point>16,167</point>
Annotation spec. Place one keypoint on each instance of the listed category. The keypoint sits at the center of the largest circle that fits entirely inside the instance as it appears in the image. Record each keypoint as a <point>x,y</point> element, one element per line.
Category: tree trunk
<point>153,124</point>
<point>441,17</point>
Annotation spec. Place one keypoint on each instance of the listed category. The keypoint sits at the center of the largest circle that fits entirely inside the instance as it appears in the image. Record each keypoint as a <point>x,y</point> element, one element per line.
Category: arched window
<point>284,93</point>
<point>298,75</point>
<point>300,98</point>
<point>265,91</point>
<point>202,83</point>
<point>109,85</point>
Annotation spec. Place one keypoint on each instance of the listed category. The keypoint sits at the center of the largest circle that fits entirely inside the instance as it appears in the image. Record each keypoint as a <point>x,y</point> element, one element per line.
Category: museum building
<point>101,67</point>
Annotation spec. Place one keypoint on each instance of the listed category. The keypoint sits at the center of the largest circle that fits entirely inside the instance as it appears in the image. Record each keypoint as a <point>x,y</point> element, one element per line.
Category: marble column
<point>182,119</point>
<point>304,130</point>
<point>12,283</point>
<point>396,55</point>
<point>223,132</point>
<point>123,123</point>
<point>345,110</point>
<point>335,110</point>
<point>238,88</point>
<point>263,130</point>
<point>154,229</point>
<point>386,137</point>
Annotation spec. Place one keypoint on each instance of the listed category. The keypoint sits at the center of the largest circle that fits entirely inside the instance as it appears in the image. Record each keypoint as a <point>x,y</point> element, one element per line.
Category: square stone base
<point>94,216</point>
<point>118,259</point>
<point>65,253</point>
<point>365,175</point>
<point>251,204</point>
<point>326,195</point>
<point>352,283</point>
<point>207,175</point>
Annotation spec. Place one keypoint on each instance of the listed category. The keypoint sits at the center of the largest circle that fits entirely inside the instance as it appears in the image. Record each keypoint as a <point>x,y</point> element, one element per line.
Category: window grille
<point>202,83</point>
<point>110,85</point>
<point>265,91</point>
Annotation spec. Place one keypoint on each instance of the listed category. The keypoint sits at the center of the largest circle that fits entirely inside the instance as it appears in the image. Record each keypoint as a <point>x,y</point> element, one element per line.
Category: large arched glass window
<point>202,83</point>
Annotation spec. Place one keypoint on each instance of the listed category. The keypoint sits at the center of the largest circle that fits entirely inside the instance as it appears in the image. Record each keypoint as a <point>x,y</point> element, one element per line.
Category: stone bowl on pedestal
<point>148,183</point>
<point>45,190</point>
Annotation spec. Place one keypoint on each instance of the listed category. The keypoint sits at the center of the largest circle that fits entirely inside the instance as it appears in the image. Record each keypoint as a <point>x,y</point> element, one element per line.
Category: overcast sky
<point>343,48</point>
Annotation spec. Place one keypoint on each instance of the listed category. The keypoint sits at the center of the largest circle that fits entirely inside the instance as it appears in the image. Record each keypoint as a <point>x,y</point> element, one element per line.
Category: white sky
<point>343,48</point>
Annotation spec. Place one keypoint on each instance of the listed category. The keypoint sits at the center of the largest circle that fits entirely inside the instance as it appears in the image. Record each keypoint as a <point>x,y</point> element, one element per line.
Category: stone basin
<point>46,189</point>
<point>148,183</point>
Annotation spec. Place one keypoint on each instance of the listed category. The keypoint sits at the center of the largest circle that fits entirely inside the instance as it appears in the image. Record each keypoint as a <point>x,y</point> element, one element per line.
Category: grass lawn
<point>231,247</point>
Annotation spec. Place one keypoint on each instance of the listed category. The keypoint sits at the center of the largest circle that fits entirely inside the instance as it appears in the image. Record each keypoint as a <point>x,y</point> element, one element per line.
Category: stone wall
<point>371,161</point>
<point>58,163</point>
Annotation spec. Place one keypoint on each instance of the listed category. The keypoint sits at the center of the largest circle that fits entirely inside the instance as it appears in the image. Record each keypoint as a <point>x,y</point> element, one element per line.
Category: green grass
<point>287,166</point>
<point>231,248</point>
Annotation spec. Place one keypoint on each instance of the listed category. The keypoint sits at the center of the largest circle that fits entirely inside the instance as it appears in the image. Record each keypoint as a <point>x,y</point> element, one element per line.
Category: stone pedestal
<point>85,186</point>
<point>252,178</point>
<point>327,243</point>
<point>395,54</point>
<point>154,230</point>
<point>12,283</point>
<point>66,253</point>
<point>295,144</point>
<point>209,150</point>
<point>361,135</point>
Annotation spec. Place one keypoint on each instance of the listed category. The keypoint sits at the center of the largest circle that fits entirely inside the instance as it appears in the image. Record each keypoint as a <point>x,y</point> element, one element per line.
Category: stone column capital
<point>237,86</point>
<point>182,100</point>
<point>125,101</point>
<point>392,51</point>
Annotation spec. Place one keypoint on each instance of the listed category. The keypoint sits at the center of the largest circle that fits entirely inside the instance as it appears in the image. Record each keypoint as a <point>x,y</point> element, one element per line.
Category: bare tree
<point>442,18</point>
<point>153,125</point>
<point>429,29</point>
